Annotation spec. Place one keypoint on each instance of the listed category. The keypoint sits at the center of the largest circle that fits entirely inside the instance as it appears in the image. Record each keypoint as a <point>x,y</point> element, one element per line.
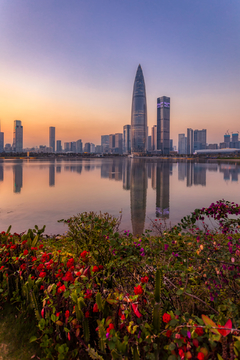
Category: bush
<point>113,296</point>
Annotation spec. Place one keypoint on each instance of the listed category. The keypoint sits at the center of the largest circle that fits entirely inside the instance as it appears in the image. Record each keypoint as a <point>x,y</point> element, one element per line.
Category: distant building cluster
<point>134,138</point>
<point>196,142</point>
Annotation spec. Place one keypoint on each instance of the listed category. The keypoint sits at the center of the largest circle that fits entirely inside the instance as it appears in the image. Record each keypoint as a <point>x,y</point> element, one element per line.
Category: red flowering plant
<point>111,293</point>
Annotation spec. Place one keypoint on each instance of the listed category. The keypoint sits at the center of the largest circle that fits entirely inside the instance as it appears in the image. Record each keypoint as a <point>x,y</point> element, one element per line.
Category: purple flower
<point>166,247</point>
<point>189,334</point>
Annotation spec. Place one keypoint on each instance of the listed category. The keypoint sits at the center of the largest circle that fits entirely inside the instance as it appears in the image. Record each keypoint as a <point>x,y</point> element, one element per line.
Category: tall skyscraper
<point>52,137</point>
<point>200,139</point>
<point>139,114</point>
<point>154,138</point>
<point>163,124</point>
<point>59,146</point>
<point>189,141</point>
<point>111,143</point>
<point>105,143</point>
<point>127,139</point>
<point>1,142</point>
<point>17,136</point>
<point>118,143</point>
<point>79,146</point>
<point>182,144</point>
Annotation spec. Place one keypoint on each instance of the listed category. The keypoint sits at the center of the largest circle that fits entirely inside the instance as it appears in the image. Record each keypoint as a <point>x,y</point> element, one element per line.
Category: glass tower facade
<point>139,115</point>
<point>17,136</point>
<point>163,124</point>
<point>52,138</point>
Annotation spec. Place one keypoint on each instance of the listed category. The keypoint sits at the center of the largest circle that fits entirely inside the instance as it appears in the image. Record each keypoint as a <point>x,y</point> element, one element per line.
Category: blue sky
<point>72,63</point>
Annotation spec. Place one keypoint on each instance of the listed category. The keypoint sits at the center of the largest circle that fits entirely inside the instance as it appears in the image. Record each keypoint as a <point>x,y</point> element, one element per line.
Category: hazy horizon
<point>72,64</point>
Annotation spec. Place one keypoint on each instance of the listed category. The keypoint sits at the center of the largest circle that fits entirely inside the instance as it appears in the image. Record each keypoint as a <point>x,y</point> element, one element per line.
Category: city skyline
<point>78,77</point>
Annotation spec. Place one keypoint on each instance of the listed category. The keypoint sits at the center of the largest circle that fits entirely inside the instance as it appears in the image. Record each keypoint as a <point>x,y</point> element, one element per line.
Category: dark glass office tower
<point>139,115</point>
<point>163,124</point>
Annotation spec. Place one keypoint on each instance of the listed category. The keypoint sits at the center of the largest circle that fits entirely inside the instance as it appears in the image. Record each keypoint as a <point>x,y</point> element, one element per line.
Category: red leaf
<point>135,309</point>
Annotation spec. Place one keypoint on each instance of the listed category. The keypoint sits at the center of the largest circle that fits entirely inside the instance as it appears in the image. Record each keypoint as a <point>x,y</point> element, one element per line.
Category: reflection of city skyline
<point>136,175</point>
<point>195,173</point>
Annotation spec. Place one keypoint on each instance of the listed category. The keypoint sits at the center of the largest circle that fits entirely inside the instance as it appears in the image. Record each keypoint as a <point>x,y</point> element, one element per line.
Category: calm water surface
<point>42,192</point>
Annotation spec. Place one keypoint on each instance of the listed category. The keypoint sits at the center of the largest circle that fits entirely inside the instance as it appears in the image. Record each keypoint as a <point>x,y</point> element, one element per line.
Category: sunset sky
<point>72,63</point>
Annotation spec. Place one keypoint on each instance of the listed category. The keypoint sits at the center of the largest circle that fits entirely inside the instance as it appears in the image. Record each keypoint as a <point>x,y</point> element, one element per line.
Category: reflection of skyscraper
<point>163,124</point>
<point>17,136</point>
<point>162,193</point>
<point>52,138</point>
<point>190,174</point>
<point>182,171</point>
<point>154,176</point>
<point>51,175</point>
<point>200,174</point>
<point>58,169</point>
<point>138,194</point>
<point>126,174</point>
<point>139,114</point>
<point>17,178</point>
<point>1,173</point>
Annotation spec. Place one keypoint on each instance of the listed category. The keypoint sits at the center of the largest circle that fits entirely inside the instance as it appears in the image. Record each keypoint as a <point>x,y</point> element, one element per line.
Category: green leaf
<point>32,339</point>
<point>171,346</point>
<point>173,322</point>
<point>179,292</point>
<point>219,357</point>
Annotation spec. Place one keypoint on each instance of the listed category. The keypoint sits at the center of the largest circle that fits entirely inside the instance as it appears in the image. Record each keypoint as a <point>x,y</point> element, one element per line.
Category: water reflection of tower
<point>200,171</point>
<point>190,173</point>
<point>138,195</point>
<point>17,178</point>
<point>51,175</point>
<point>126,174</point>
<point>162,193</point>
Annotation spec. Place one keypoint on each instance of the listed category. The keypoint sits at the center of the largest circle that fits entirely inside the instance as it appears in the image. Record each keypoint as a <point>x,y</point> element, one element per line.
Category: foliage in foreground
<point>115,296</point>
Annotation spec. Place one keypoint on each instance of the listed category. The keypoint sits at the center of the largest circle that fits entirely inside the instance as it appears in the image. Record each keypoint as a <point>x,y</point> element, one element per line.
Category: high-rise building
<point>127,139</point>
<point>227,139</point>
<point>79,146</point>
<point>59,146</point>
<point>111,143</point>
<point>154,138</point>
<point>73,146</point>
<point>92,148</point>
<point>118,143</point>
<point>200,139</point>
<point>17,136</point>
<point>182,144</point>
<point>139,114</point>
<point>171,145</point>
<point>149,144</point>
<point>163,124</point>
<point>67,146</point>
<point>52,138</point>
<point>87,147</point>
<point>98,149</point>
<point>189,141</point>
<point>1,142</point>
<point>105,143</point>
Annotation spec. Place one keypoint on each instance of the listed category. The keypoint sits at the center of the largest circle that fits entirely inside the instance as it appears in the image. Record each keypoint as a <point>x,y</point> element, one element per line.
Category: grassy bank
<point>97,293</point>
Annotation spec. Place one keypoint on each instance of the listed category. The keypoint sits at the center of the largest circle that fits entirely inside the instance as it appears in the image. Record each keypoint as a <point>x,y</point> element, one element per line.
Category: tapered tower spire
<point>139,114</point>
